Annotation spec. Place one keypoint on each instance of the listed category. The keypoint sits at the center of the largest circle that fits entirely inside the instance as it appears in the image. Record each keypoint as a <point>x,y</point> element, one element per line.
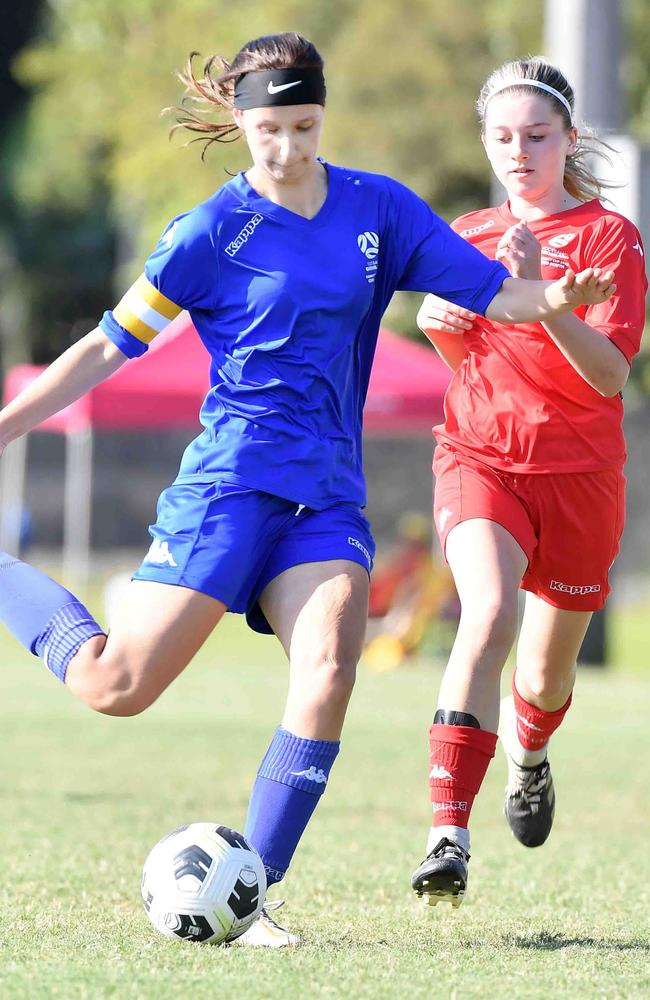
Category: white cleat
<point>266,933</point>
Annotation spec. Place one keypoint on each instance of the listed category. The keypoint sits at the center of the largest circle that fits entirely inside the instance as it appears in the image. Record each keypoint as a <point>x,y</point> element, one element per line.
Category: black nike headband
<point>268,88</point>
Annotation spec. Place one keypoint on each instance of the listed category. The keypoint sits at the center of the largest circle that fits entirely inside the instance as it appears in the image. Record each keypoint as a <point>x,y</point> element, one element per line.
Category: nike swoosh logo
<point>272,89</point>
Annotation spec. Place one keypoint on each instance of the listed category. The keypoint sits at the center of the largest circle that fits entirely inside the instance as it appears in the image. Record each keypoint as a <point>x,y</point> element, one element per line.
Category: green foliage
<point>401,92</point>
<point>636,68</point>
<point>402,82</point>
<point>84,797</point>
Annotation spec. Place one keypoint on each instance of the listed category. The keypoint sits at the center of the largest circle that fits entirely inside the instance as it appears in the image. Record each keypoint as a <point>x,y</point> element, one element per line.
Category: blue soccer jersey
<point>289,309</point>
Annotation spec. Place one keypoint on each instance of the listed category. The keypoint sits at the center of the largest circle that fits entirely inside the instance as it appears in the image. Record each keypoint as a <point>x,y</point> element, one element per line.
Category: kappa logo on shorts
<point>575,590</point>
<point>443,516</point>
<point>159,554</point>
<point>244,235</point>
<point>357,544</point>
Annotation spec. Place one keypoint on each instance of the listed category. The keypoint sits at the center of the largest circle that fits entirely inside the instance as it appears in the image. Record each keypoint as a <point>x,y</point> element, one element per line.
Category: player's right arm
<point>75,372</point>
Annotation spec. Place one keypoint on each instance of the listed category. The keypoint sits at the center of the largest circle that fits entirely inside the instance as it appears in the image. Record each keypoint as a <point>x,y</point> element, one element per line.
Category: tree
<point>401,90</point>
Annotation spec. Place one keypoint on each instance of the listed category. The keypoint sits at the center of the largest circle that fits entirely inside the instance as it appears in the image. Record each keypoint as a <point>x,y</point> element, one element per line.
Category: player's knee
<point>335,676</point>
<point>544,684</point>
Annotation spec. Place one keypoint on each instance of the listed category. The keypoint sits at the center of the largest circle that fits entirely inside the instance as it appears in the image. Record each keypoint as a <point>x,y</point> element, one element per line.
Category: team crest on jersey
<point>368,244</point>
<point>562,240</point>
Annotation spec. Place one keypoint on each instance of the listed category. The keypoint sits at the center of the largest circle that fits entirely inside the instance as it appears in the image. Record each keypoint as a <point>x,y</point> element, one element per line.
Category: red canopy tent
<point>165,388</point>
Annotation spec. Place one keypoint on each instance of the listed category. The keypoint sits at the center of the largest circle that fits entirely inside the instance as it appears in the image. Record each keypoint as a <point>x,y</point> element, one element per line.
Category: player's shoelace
<point>529,783</point>
<point>266,932</point>
<point>443,874</point>
<point>270,907</point>
<point>530,802</point>
<point>446,848</point>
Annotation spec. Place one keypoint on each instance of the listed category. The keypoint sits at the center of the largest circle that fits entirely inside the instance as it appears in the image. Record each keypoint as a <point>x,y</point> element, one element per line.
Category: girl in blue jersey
<point>286,271</point>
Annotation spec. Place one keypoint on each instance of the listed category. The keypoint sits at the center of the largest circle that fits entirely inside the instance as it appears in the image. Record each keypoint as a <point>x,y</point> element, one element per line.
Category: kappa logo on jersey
<point>244,235</point>
<point>159,554</point>
<point>357,544</point>
<point>562,239</point>
<point>575,590</point>
<point>443,517</point>
<point>312,774</point>
<point>440,772</point>
<point>475,230</point>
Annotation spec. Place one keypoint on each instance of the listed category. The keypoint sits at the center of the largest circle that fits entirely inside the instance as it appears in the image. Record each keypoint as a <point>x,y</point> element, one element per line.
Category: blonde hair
<point>214,91</point>
<point>580,181</point>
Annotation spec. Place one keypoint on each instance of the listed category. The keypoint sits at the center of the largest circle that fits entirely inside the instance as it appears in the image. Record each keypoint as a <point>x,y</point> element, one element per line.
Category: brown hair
<point>215,90</point>
<point>579,179</point>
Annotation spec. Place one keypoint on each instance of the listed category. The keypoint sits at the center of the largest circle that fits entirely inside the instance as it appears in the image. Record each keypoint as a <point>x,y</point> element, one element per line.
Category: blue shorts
<point>229,542</point>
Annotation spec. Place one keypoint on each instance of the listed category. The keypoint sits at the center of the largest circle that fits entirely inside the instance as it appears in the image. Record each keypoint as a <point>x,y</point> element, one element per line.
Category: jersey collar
<point>270,210</point>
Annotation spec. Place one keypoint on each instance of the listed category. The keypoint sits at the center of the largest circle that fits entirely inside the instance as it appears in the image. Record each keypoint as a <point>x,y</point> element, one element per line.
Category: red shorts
<point>569,525</point>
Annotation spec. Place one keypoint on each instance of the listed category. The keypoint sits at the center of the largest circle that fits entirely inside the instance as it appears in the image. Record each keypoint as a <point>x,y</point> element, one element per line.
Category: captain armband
<point>144,311</point>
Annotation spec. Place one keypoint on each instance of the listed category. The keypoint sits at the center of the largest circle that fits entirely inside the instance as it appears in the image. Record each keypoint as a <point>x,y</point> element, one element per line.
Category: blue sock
<point>42,614</point>
<point>290,781</point>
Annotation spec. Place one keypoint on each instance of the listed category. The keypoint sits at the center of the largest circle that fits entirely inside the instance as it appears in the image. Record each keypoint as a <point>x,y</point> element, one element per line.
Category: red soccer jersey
<point>515,402</point>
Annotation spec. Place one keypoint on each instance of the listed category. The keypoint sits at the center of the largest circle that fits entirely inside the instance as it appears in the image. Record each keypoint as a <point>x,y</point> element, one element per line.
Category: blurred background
<point>89,178</point>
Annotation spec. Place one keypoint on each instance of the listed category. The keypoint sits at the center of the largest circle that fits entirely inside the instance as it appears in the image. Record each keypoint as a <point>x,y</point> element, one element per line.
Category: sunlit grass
<point>84,797</point>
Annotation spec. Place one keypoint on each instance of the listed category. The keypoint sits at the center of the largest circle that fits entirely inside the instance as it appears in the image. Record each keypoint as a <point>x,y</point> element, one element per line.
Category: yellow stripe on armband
<point>144,311</point>
<point>156,299</point>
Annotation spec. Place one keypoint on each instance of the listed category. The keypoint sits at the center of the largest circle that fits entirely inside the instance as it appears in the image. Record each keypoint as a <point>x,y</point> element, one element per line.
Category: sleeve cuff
<point>125,341</point>
<point>490,288</point>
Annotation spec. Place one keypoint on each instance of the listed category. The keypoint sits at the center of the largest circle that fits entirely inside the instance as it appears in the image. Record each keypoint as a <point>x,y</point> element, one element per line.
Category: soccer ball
<point>203,882</point>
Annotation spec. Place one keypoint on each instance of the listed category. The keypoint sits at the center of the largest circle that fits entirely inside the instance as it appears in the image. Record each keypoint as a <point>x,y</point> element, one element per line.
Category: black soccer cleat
<point>530,802</point>
<point>443,874</point>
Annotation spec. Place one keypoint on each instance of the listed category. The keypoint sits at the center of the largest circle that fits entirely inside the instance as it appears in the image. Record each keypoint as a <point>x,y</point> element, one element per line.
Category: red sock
<point>458,759</point>
<point>535,726</point>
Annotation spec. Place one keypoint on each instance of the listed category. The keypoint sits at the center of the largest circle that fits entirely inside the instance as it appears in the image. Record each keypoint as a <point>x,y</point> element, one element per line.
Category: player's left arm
<point>599,347</point>
<point>595,358</point>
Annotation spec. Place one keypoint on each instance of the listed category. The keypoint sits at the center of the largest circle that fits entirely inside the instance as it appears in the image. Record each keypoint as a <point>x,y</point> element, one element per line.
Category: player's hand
<point>587,288</point>
<point>438,315</point>
<point>521,252</point>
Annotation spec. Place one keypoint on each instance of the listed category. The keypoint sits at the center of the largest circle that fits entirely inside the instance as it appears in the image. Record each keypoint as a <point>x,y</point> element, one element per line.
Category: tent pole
<point>12,490</point>
<point>77,506</point>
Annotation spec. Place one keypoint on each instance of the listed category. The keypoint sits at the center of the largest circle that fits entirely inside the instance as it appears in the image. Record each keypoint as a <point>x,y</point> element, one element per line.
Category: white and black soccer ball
<point>203,882</point>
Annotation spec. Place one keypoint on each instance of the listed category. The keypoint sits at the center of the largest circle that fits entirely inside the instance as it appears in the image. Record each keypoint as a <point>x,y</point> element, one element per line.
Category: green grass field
<point>84,798</point>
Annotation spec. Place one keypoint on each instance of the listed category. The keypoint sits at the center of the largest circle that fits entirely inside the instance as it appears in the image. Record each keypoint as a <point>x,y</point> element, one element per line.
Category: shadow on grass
<point>93,797</point>
<point>544,941</point>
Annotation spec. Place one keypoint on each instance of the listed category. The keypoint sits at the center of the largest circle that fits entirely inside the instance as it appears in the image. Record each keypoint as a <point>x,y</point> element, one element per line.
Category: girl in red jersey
<point>530,491</point>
